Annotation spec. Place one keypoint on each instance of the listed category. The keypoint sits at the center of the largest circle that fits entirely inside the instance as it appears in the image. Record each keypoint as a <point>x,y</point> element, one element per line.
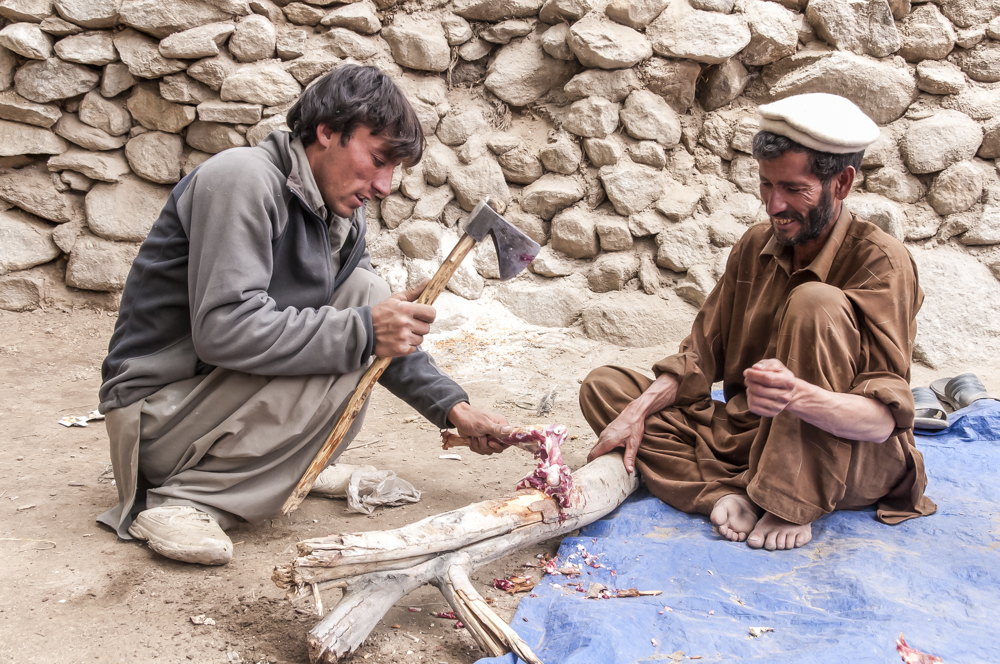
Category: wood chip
<point>452,457</point>
<point>25,507</point>
<point>650,593</point>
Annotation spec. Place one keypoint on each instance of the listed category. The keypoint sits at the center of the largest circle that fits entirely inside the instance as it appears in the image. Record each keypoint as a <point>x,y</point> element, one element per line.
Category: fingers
<point>601,448</point>
<point>631,451</point>
<point>782,379</point>
<point>412,294</point>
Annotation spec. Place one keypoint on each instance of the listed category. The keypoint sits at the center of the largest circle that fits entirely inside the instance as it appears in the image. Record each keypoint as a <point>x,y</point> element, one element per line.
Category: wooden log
<point>602,485</point>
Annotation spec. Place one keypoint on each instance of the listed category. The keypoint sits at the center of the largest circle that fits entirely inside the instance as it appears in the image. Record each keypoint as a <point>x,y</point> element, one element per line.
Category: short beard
<point>813,224</point>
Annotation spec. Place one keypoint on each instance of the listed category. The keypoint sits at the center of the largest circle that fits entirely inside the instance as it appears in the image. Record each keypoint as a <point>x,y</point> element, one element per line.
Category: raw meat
<point>912,655</point>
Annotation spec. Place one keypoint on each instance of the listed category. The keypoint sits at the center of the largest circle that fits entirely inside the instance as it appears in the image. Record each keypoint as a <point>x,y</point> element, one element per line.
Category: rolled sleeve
<point>893,391</point>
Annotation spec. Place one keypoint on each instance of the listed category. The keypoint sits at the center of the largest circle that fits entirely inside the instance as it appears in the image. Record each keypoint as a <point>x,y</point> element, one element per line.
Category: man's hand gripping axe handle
<point>514,251</point>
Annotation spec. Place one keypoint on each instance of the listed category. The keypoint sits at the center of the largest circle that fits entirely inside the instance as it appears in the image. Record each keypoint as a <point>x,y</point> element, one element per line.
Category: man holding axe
<point>251,315</point>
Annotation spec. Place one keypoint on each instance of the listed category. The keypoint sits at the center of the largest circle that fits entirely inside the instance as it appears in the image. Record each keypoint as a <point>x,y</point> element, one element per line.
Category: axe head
<point>514,249</point>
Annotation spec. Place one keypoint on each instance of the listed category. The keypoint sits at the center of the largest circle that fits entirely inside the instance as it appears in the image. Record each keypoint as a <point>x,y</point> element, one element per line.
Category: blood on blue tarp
<point>844,597</point>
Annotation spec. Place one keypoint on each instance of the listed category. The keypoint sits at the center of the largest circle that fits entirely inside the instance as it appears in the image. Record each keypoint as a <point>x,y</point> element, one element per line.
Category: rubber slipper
<point>960,391</point>
<point>929,414</point>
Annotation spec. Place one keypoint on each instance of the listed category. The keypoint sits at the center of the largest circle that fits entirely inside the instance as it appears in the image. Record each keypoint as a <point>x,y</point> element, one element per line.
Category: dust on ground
<point>70,591</point>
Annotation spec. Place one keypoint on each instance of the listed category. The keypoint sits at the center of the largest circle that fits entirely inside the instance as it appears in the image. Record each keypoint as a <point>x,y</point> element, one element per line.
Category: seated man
<point>250,315</point>
<point>810,331</point>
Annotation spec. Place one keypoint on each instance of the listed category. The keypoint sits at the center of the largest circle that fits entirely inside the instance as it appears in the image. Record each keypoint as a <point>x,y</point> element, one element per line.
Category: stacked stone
<point>619,132</point>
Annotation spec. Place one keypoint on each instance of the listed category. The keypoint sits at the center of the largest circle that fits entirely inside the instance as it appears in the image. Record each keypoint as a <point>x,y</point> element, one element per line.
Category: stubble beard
<point>813,224</point>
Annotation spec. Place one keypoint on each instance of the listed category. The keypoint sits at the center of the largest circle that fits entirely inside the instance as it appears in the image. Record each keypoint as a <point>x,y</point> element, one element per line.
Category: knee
<point>602,384</point>
<point>819,302</point>
<point>366,287</point>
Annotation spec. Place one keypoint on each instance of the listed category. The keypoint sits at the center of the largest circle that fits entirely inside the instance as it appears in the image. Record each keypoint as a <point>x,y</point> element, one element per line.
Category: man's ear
<point>325,136</point>
<point>843,182</point>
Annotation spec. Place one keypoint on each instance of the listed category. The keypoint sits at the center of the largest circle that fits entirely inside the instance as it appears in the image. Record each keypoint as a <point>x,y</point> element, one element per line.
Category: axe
<point>514,251</point>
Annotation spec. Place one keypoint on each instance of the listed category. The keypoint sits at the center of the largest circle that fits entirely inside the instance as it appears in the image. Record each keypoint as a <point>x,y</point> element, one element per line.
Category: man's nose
<point>775,203</point>
<point>382,184</point>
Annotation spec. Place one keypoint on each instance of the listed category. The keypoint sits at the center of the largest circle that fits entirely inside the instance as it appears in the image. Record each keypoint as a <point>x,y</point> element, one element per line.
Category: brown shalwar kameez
<point>846,323</point>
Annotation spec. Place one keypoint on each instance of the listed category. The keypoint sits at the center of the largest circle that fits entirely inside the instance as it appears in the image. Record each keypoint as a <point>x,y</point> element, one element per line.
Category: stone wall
<point>618,132</point>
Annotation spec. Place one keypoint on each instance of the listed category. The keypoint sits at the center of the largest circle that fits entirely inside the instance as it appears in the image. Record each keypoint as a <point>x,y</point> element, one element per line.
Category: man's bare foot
<point>775,534</point>
<point>735,516</point>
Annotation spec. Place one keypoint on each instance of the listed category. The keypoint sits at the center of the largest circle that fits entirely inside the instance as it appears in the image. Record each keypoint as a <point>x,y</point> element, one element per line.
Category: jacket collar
<point>821,265</point>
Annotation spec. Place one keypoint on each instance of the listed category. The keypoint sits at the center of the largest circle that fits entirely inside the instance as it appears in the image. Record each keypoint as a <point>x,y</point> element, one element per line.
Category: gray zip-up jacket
<point>237,272</point>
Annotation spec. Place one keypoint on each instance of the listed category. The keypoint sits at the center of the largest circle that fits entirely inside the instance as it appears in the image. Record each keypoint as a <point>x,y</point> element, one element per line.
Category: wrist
<point>803,398</point>
<point>457,411</point>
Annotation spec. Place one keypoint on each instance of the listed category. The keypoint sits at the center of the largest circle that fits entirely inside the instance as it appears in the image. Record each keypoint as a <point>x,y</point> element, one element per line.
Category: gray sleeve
<point>417,380</point>
<point>234,214</point>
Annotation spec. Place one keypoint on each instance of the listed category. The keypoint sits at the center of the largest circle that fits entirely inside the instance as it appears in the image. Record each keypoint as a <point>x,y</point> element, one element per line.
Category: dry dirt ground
<point>70,591</point>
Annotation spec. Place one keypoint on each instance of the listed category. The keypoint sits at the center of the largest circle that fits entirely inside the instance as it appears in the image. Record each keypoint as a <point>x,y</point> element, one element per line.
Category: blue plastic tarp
<point>844,597</point>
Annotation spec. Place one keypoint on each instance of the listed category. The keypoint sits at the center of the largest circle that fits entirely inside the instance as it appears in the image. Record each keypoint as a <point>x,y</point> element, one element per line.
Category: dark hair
<point>353,95</point>
<point>824,165</point>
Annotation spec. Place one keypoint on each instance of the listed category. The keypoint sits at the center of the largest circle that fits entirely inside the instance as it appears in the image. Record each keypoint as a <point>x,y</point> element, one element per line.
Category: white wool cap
<point>821,121</point>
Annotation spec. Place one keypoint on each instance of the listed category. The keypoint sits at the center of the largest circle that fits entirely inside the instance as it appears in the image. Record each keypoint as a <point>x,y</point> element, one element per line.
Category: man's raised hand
<point>400,324</point>
<point>771,387</point>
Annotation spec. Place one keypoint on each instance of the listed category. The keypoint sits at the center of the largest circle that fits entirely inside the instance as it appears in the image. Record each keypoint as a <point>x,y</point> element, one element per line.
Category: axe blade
<point>514,249</point>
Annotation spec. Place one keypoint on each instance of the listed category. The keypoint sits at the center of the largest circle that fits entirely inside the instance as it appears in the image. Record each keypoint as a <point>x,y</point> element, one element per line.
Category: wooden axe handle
<point>364,389</point>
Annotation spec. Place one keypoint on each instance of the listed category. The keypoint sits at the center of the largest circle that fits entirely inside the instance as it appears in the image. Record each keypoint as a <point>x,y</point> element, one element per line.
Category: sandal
<point>960,391</point>
<point>929,414</point>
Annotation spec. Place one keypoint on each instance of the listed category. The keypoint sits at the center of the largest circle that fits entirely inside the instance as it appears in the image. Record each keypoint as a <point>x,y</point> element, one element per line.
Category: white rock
<point>91,14</point>
<point>636,320</point>
<point>569,11</point>
<point>723,83</point>
<point>456,29</point>
<point>161,19</point>
<point>631,187</point>
<point>599,42</point>
<point>106,166</point>
<point>880,211</point>
<point>859,26</point>
<point>100,265</point>
<point>520,165</point>
<point>678,201</point>
<point>459,125</point>
<point>529,224</point>
<point>504,32</point>
<point>933,144</point>
<point>574,233</point>
<point>592,117</point>
<point>613,85</point>
<point>292,44</point>
<point>312,65</point>
<point>674,80</point>
<point>16,108</point>
<point>522,72</point>
<point>230,112</point>
<point>696,286</point>
<point>21,293</point>
<point>896,184</point>
<point>32,189</point>
<point>254,39</point>
<point>710,37</point>
<point>107,115</point>
<point>611,271</point>
<point>438,161</point>
<point>260,131</point>
<point>981,63</point>
<point>125,210</point>
<point>421,239</point>
<point>636,14</point>
<point>978,103</point>
<point>925,34</point>
<point>603,151</point>
<point>555,42</point>
<point>721,6</point>
<point>182,89</point>
<point>303,14</point>
<point>116,79</point>
<point>772,33</point>
<point>475,49</point>
<point>142,55</point>
<point>359,17</point>
<point>496,10</point>
<point>266,84</point>
<point>479,180</point>
<point>940,78</point>
<point>86,136</point>
<point>561,156</point>
<point>682,246</point>
<point>25,241</point>
<point>49,80</point>
<point>8,65</point>
<point>418,43</point>
<point>717,134</point>
<point>555,304</point>
<point>156,156</point>
<point>26,10</point>
<point>213,137</point>
<point>613,232</point>
<point>201,42</point>
<point>649,153</point>
<point>431,205</point>
<point>76,182</point>
<point>647,116</point>
<point>396,209</point>
<point>213,71</point>
<point>549,263</point>
<point>968,13</point>
<point>956,188</point>
<point>18,139</point>
<point>88,48</point>
<point>990,148</point>
<point>28,40</point>
<point>882,90</point>
<point>549,194</point>
<point>153,112</point>
<point>346,43</point>
<point>955,325</point>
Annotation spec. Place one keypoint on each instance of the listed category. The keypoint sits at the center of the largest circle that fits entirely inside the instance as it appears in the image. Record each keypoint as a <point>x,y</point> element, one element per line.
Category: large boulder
<point>44,81</point>
<point>574,232</point>
<point>25,241</point>
<point>154,112</point>
<point>925,35</point>
<point>213,137</point>
<point>106,166</point>
<point>496,10</point>
<point>360,17</point>
<point>722,84</point>
<point>674,80</point>
<point>547,305</point>
<point>17,139</point>
<point>21,293</point>
<point>107,115</point>
<point>599,42</point>
<point>682,246</point>
<point>956,188</point>
<point>593,117</point>
<point>636,14</point>
<point>979,103</point>
<point>940,78</point>
<point>460,125</point>
<point>522,71</point>
<point>16,108</point>
<point>895,183</point>
<point>100,265</point>
<point>647,116</point>
<point>156,156</point>
<point>631,187</point>
<point>28,40</point>
<point>418,43</point>
<point>125,210</point>
<point>612,84</point>
<point>549,194</point>
<point>90,14</point>
<point>969,13</point>
<point>710,37</point>
<point>937,142</point>
<point>859,26</point>
<point>86,136</point>
<point>637,320</point>
<point>956,331</point>
<point>254,39</point>
<point>479,180</point>
<point>266,84</point>
<point>32,189</point>
<point>879,210</point>
<point>161,19</point>
<point>982,63</point>
<point>201,42</point>
<point>772,33</point>
<point>881,89</point>
<point>89,48</point>
<point>142,55</point>
<point>612,270</point>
